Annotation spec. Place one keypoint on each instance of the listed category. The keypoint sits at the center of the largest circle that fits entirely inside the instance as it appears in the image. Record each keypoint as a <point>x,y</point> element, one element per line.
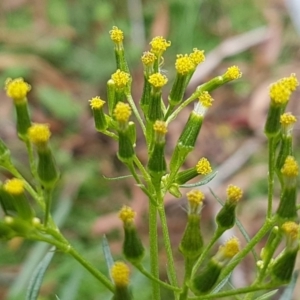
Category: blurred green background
<point>62,48</point>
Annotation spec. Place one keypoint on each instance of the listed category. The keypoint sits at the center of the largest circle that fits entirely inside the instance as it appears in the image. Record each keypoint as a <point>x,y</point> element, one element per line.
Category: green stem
<point>167,244</point>
<point>154,250</point>
<point>48,202</point>
<point>198,263</point>
<point>236,292</point>
<point>110,134</point>
<point>163,284</point>
<point>188,266</point>
<point>136,113</point>
<point>269,223</point>
<point>271,150</point>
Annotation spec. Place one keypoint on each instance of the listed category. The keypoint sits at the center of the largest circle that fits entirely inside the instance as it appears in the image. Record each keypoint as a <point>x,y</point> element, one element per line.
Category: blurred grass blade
<point>221,284</point>
<point>268,295</point>
<point>288,292</point>
<point>38,275</point>
<point>205,180</point>
<point>117,178</point>
<point>107,254</point>
<point>71,287</point>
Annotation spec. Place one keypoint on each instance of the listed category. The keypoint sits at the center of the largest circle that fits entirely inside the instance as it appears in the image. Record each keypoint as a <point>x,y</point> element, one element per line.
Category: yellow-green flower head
<point>290,167</point>
<point>96,102</point>
<point>159,45</point>
<point>233,73</point>
<point>229,249</point>
<point>39,134</point>
<point>158,80</point>
<point>120,274</point>
<point>14,186</point>
<point>116,35</point>
<point>290,82</point>
<point>206,99</point>
<point>184,64</point>
<point>120,78</point>
<point>291,230</point>
<point>148,58</point>
<point>195,199</point>
<point>122,112</point>
<point>234,193</point>
<point>287,119</point>
<point>279,93</point>
<point>127,214</point>
<point>197,56</point>
<point>160,127</point>
<point>203,166</point>
<point>17,89</point>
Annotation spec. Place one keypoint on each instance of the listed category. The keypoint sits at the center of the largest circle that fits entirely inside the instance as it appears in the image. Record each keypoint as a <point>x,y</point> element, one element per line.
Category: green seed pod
<point>192,242</point>
<point>206,280</point>
<point>282,268</point>
<point>133,248</point>
<point>157,162</point>
<point>126,150</point>
<point>111,96</point>
<point>287,206</point>
<point>132,132</point>
<point>145,99</point>
<point>96,104</point>
<point>272,126</point>
<point>177,90</point>
<point>46,168</point>
<point>226,216</point>
<point>286,149</point>
<point>19,226</point>
<point>186,175</point>
<point>154,109</point>
<point>23,119</point>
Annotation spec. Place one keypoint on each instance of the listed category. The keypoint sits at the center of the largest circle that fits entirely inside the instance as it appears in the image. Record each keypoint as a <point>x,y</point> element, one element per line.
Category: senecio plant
<point>206,270</point>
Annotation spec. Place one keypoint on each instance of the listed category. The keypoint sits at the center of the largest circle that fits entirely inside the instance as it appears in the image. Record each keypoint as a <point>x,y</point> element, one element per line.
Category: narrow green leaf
<point>70,289</point>
<point>117,178</point>
<point>38,275</point>
<point>288,292</point>
<point>268,295</point>
<point>107,254</point>
<point>205,180</point>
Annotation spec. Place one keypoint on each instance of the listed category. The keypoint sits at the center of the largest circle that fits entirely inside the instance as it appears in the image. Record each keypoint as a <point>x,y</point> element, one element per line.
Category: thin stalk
<point>188,267</point>
<point>271,150</point>
<point>110,134</point>
<point>162,283</point>
<point>136,113</point>
<point>236,292</point>
<point>48,202</point>
<point>154,251</point>
<point>198,263</point>
<point>167,244</point>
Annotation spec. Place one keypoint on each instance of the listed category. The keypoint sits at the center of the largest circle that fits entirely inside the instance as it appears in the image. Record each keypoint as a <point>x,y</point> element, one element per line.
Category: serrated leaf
<point>107,254</point>
<point>288,292</point>
<point>204,181</point>
<point>117,178</point>
<point>38,275</point>
<point>267,295</point>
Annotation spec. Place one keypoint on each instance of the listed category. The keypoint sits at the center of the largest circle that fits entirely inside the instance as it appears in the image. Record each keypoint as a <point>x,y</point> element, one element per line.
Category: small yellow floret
<point>291,229</point>
<point>160,127</point>
<point>96,102</point>
<point>120,274</point>
<point>122,112</point>
<point>290,167</point>
<point>120,79</point>
<point>159,45</point>
<point>234,193</point>
<point>195,197</point>
<point>116,35</point>
<point>206,99</point>
<point>203,166</point>
<point>290,82</point>
<point>39,133</point>
<point>197,56</point>
<point>17,89</point>
<point>287,119</point>
<point>233,73</point>
<point>14,186</point>
<point>158,80</point>
<point>184,64</point>
<point>279,94</point>
<point>230,248</point>
<point>148,58</point>
<point>127,214</point>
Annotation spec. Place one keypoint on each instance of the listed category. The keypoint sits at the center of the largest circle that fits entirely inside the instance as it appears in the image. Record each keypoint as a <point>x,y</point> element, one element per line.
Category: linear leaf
<point>107,254</point>
<point>205,180</point>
